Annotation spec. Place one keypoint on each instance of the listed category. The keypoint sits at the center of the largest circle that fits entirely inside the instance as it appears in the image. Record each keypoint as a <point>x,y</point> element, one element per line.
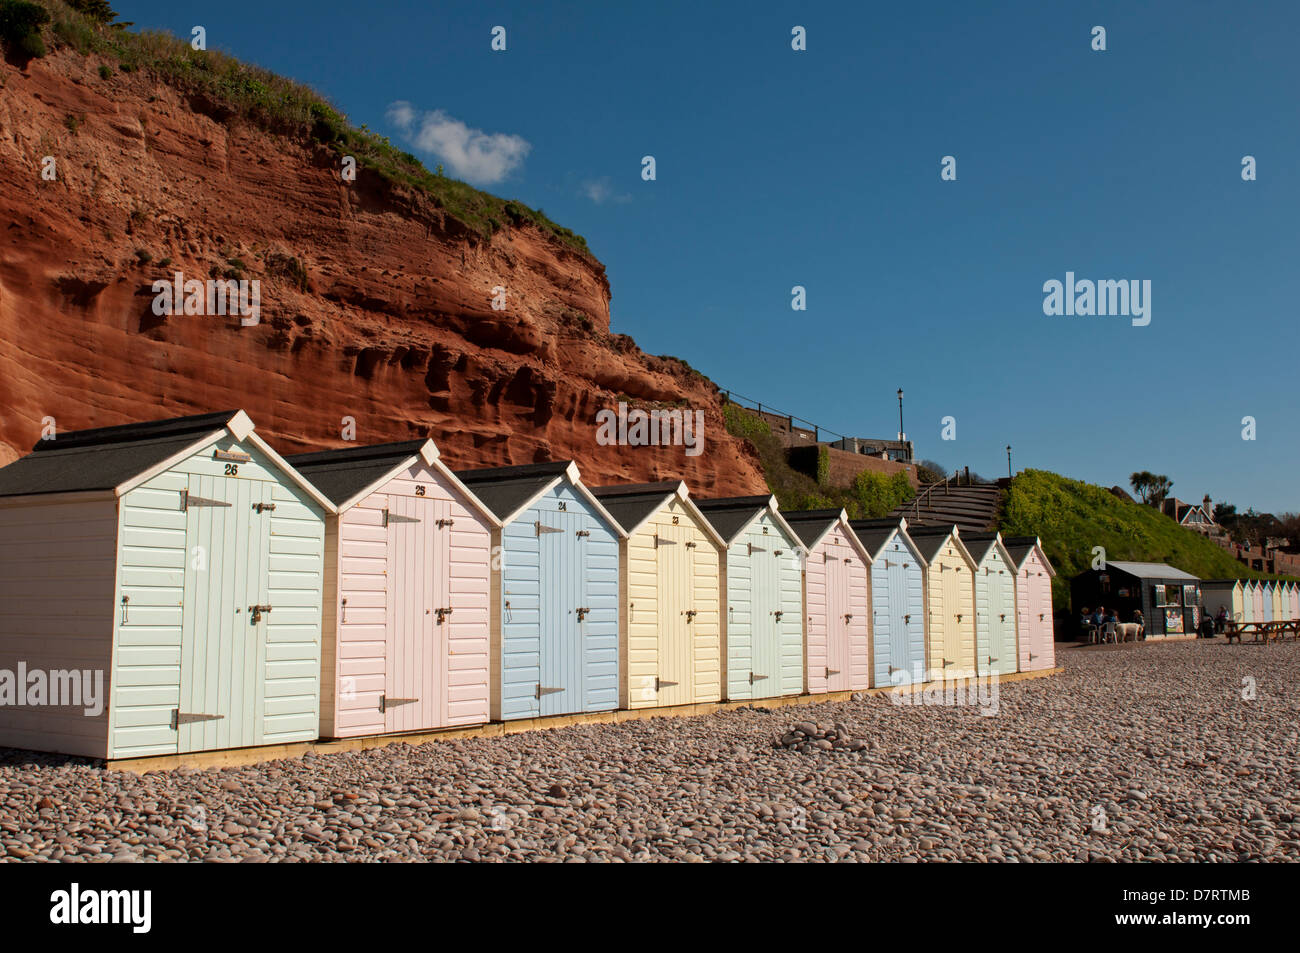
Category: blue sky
<point>821,168</point>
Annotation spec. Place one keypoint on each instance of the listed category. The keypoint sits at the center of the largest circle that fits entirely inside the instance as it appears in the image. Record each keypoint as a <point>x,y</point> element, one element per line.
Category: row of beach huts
<point>1253,600</point>
<point>231,597</point>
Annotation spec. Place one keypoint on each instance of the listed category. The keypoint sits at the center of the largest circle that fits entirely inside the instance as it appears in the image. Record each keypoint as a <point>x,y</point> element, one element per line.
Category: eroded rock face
<point>374,304</point>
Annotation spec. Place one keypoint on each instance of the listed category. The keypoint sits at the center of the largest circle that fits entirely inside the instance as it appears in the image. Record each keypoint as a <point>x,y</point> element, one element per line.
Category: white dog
<point>1127,632</point>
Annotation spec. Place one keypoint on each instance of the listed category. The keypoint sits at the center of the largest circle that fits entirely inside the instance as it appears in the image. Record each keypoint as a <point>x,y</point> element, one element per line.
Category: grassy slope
<point>284,107</point>
<point>1072,517</point>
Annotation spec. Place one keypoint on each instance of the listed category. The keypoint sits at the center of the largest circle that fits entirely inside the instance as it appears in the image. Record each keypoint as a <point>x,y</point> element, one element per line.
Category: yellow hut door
<point>674,558</point>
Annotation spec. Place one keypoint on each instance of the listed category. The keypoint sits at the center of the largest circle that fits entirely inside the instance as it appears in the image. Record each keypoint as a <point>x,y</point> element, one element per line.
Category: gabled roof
<point>875,533</point>
<point>508,491</point>
<point>106,457</point>
<point>118,459</point>
<point>342,474</point>
<point>979,544</point>
<point>1151,571</point>
<point>930,539</point>
<point>731,516</point>
<point>1019,548</point>
<point>350,475</point>
<point>811,525</point>
<point>634,503</point>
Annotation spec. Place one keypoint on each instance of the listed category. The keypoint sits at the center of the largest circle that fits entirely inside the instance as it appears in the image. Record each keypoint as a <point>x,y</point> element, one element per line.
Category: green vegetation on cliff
<point>1072,517</point>
<point>224,88</point>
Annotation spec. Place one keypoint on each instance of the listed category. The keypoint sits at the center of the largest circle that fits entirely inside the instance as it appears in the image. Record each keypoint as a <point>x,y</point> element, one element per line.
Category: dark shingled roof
<point>1019,546</point>
<point>342,474</point>
<point>978,544</point>
<point>504,489</point>
<point>873,533</point>
<point>105,457</point>
<point>631,503</point>
<point>810,524</point>
<point>730,515</point>
<point>929,539</point>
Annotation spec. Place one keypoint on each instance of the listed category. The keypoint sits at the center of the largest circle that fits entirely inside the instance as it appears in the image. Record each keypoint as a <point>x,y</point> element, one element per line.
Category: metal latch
<point>263,507</point>
<point>907,619</point>
<point>546,529</point>
<point>660,683</point>
<point>187,500</point>
<point>186,718</point>
<point>848,617</point>
<point>691,614</point>
<point>390,518</point>
<point>690,544</point>
<point>584,532</point>
<point>386,703</point>
<point>441,523</point>
<point>778,613</point>
<point>547,691</point>
<point>582,613</point>
<point>755,678</point>
<point>257,613</point>
<point>442,614</point>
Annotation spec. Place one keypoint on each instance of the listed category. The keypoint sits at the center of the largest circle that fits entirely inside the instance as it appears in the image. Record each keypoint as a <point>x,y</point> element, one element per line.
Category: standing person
<point>1221,620</point>
<point>1142,624</point>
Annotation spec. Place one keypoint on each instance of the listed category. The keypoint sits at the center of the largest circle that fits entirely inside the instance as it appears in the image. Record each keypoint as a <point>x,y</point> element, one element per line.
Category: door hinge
<point>756,549</point>
<point>546,691</point>
<point>257,613</point>
<point>188,500</point>
<point>386,703</point>
<point>661,684</point>
<point>660,541</point>
<point>186,718</point>
<point>831,671</point>
<point>755,678</point>
<point>546,529</point>
<point>390,518</point>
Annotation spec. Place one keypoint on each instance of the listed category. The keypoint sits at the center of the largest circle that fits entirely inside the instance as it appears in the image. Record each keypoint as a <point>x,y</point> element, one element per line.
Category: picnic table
<point>1268,631</point>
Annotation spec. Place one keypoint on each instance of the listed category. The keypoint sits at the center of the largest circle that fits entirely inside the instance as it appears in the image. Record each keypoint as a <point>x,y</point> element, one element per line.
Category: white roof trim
<point>571,475</point>
<point>240,426</point>
<point>1042,556</point>
<point>770,508</point>
<point>127,486</point>
<point>682,493</point>
<point>434,463</point>
<point>284,465</point>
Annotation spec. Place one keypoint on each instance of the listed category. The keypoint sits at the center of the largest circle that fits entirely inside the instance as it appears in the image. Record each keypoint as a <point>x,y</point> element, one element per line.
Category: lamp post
<point>1009,473</point>
<point>901,437</point>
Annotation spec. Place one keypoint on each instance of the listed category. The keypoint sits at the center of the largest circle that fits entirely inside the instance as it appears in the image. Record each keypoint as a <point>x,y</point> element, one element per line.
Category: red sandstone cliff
<point>388,320</point>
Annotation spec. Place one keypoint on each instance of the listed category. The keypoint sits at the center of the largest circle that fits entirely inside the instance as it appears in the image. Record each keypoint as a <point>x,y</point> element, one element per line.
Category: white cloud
<point>470,154</point>
<point>600,190</point>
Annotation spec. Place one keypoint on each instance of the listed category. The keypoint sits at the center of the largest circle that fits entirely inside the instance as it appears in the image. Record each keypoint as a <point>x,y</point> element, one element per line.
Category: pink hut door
<point>839,615</point>
<point>419,614</point>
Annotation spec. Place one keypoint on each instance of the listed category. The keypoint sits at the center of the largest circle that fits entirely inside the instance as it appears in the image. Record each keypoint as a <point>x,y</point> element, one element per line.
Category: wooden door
<point>675,609</point>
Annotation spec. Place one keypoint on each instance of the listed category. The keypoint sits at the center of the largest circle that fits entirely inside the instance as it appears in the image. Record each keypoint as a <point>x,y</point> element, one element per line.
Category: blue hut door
<point>765,625</point>
<point>225,600</point>
<point>900,664</point>
<point>562,587</point>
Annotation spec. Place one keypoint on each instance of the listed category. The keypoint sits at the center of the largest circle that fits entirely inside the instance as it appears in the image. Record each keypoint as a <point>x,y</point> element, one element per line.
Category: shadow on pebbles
<point>1178,751</point>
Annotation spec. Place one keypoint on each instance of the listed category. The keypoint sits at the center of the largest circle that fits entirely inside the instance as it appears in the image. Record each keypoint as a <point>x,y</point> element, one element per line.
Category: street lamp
<point>1009,473</point>
<point>901,437</point>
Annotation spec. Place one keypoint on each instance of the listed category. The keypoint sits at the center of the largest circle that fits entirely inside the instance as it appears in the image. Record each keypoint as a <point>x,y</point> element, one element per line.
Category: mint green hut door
<point>226,602</point>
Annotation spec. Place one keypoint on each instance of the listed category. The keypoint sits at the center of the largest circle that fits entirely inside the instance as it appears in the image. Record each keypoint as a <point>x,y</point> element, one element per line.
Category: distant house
<point>1195,516</point>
